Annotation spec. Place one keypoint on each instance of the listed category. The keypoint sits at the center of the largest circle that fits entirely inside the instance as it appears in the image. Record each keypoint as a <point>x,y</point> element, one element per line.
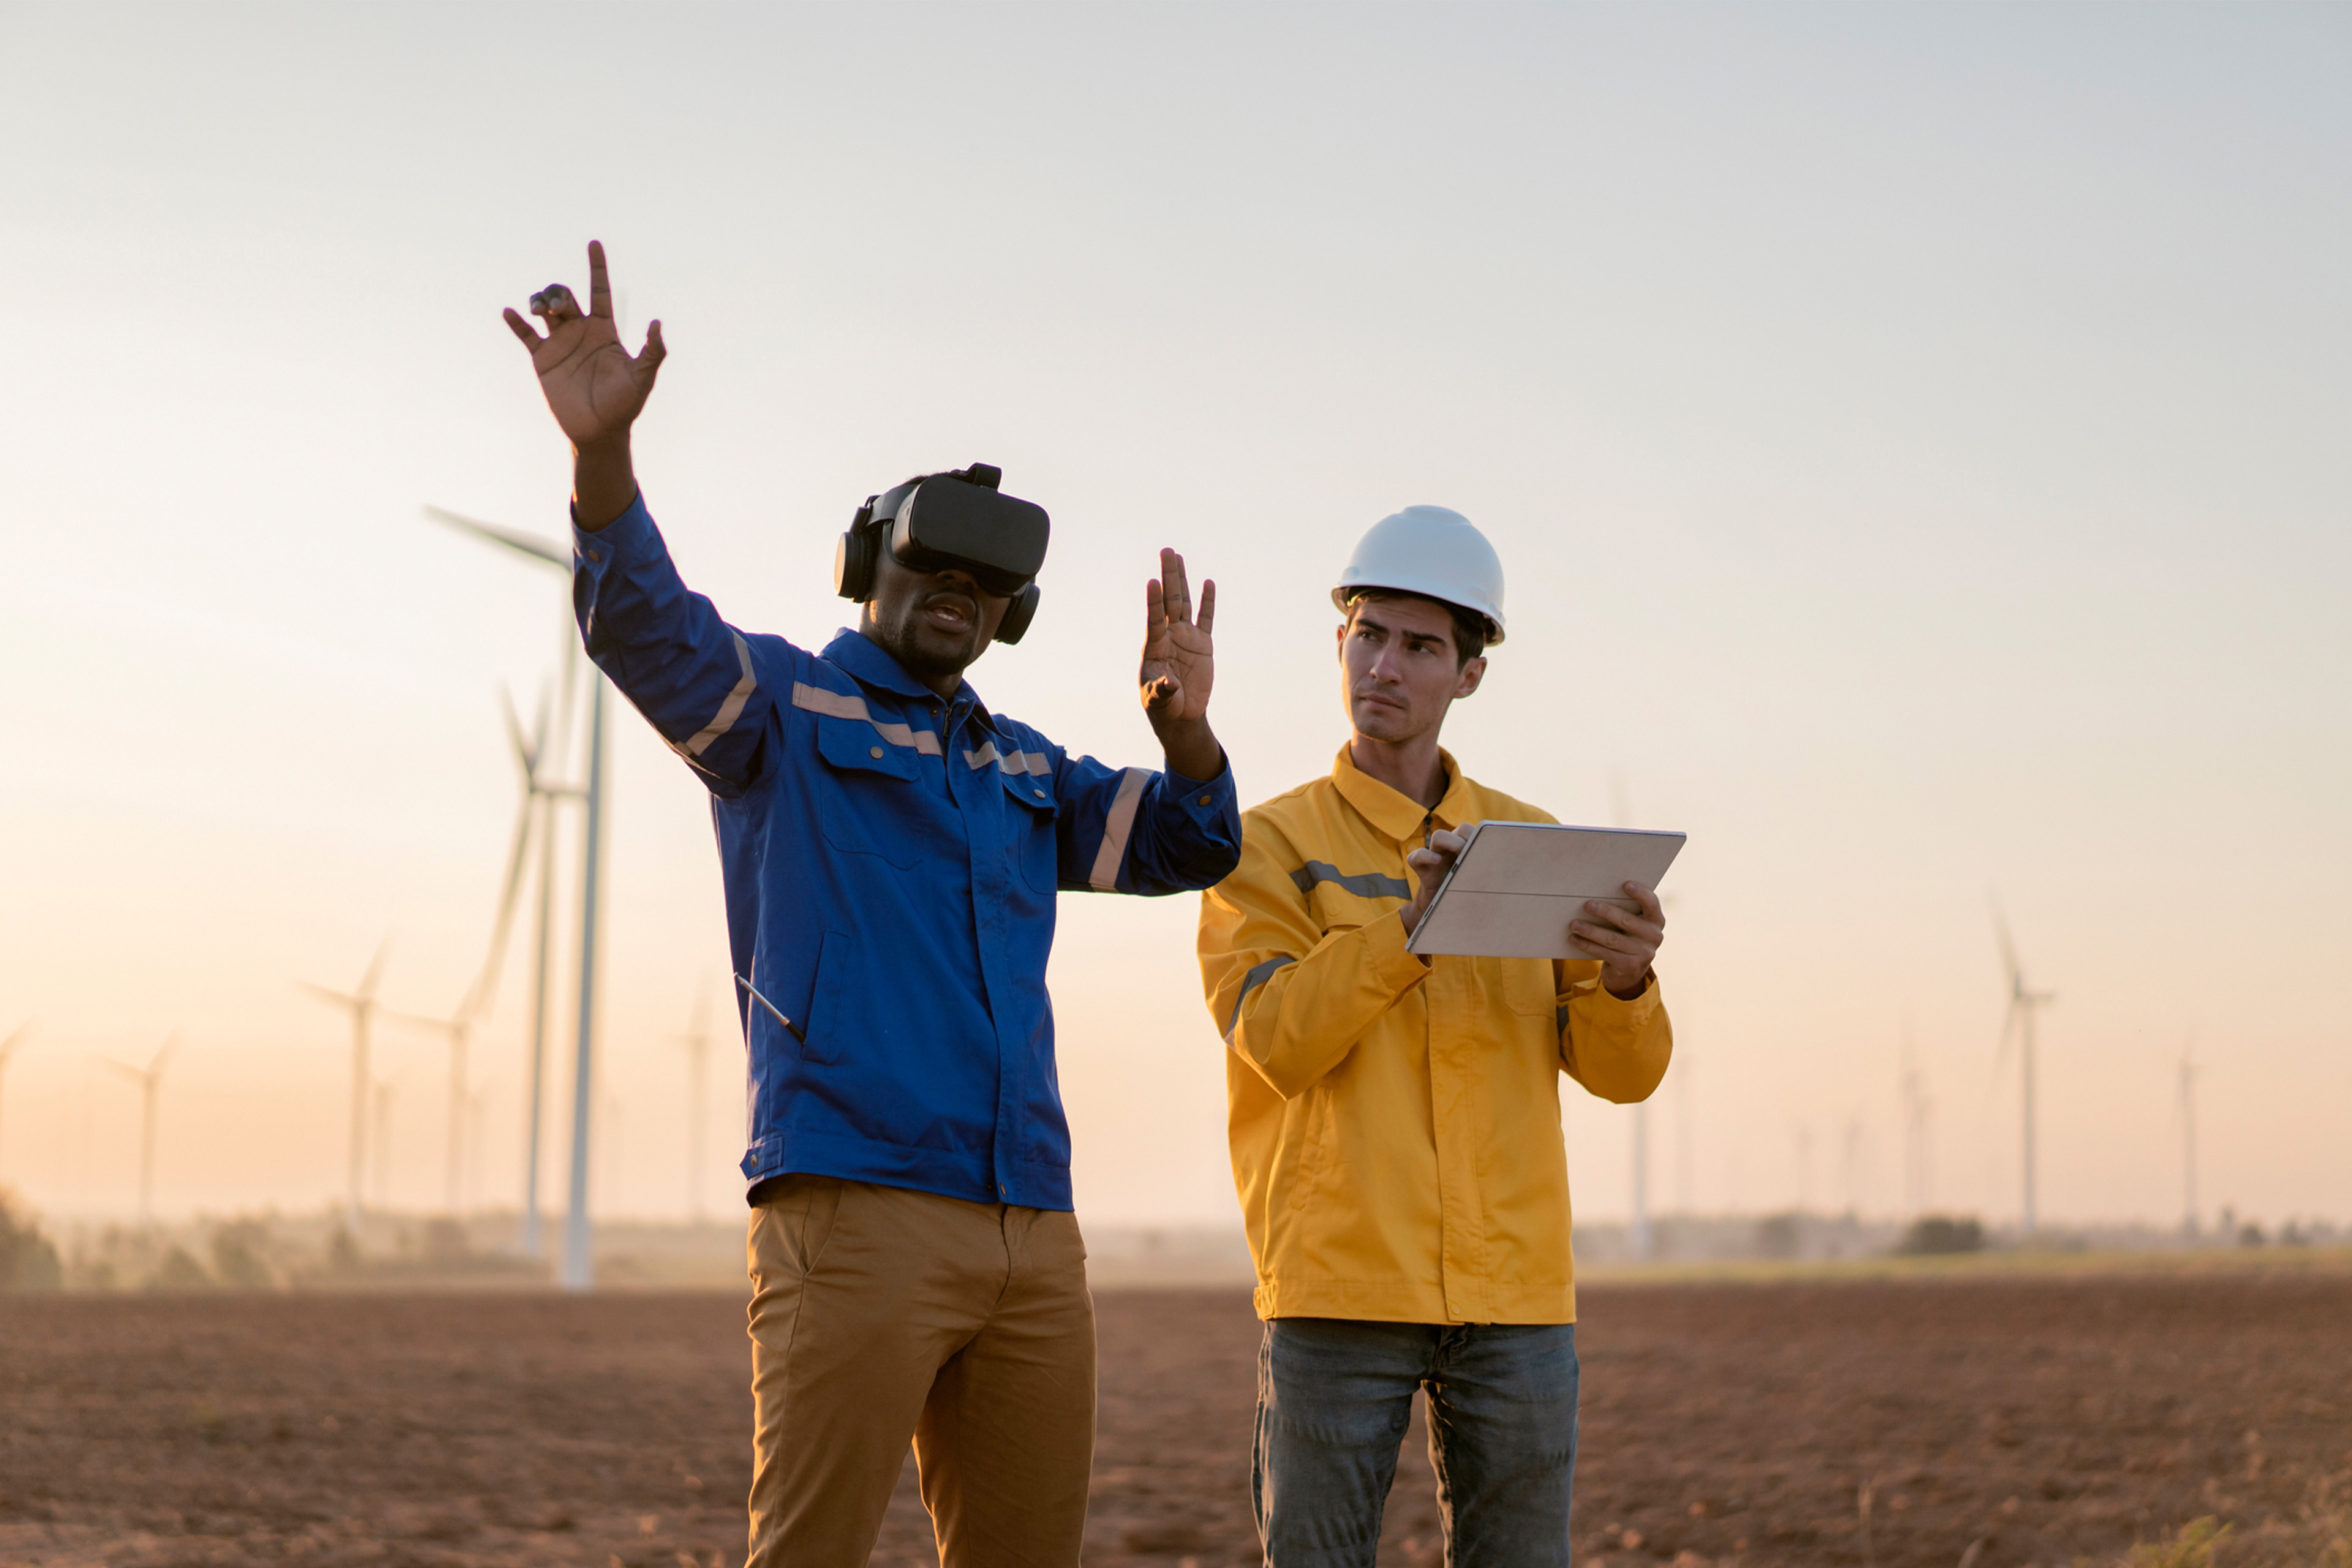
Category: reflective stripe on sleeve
<point>1364,885</point>
<point>1117,825</point>
<point>730,710</point>
<point>1036,762</point>
<point>1251,982</point>
<point>842,705</point>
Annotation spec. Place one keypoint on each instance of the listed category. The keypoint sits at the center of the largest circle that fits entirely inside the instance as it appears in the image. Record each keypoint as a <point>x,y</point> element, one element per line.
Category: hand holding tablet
<point>1514,888</point>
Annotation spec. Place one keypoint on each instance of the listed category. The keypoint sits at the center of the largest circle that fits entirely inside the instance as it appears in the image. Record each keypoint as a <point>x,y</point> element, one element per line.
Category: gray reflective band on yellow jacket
<point>1251,982</point>
<point>1364,884</point>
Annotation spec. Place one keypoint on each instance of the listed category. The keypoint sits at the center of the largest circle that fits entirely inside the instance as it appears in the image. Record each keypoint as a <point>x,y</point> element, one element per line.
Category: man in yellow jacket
<point>1395,1120</point>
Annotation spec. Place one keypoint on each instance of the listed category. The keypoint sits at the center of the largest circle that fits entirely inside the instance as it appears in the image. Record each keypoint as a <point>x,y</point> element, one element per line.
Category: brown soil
<point>2051,1419</point>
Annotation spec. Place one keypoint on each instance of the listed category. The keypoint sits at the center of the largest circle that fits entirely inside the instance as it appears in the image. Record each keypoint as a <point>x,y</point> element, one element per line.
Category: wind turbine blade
<point>366,992</point>
<point>2007,948</point>
<point>8,1046</point>
<point>485,988</point>
<point>125,1069</point>
<point>155,1068</point>
<point>339,998</point>
<point>526,750</point>
<point>537,549</point>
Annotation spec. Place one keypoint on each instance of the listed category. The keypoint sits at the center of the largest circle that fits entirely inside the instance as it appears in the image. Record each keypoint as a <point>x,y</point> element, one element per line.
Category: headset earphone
<point>858,554</point>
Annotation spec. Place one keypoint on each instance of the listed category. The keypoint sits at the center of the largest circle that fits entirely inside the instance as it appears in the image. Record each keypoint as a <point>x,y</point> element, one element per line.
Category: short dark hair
<point>1469,626</point>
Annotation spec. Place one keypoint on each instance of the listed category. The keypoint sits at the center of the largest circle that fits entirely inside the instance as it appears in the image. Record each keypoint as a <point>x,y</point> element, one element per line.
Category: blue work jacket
<point>891,861</point>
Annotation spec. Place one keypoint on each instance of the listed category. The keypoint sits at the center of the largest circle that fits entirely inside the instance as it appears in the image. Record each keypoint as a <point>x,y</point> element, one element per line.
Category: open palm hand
<point>594,386</point>
<point>1178,660</point>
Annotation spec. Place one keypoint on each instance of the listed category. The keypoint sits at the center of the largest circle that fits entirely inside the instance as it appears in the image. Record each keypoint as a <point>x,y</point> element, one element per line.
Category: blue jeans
<point>1334,1398</point>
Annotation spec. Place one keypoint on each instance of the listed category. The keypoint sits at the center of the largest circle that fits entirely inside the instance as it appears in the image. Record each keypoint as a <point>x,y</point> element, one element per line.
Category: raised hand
<point>594,388</point>
<point>1178,660</point>
<point>1179,666</point>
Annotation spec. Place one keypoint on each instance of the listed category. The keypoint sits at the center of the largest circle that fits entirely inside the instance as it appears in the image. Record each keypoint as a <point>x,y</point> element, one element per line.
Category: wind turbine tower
<point>361,1004</point>
<point>149,1080</point>
<point>537,814</point>
<point>577,1271</point>
<point>1917,1183</point>
<point>9,1046</point>
<point>2018,1022</point>
<point>458,1029</point>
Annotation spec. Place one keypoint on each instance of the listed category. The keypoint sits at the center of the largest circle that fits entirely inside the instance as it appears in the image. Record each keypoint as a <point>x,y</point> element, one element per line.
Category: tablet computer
<point>1515,886</point>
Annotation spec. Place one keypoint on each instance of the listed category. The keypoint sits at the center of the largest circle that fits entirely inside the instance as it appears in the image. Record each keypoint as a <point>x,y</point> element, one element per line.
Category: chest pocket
<point>864,791</point>
<point>1527,986</point>
<point>1035,843</point>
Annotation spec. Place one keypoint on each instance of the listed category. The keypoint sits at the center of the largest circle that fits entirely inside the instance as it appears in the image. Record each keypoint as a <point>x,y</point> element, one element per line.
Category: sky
<point>1914,437</point>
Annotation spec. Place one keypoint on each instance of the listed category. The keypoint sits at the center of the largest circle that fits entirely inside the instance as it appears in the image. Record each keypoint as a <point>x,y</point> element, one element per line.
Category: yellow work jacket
<point>1395,1120</point>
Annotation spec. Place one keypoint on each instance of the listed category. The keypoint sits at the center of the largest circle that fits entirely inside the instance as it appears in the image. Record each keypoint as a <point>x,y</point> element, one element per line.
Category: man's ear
<point>1472,674</point>
<point>1339,638</point>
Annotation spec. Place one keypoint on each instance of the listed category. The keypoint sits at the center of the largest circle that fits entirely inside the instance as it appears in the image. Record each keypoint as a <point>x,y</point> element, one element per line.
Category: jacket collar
<point>865,660</point>
<point>1397,814</point>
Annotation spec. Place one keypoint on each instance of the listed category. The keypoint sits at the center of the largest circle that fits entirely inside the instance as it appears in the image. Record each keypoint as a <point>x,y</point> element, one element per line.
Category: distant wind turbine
<point>149,1080</point>
<point>360,1003</point>
<point>458,1029</point>
<point>578,1272</point>
<point>9,1046</point>
<point>2018,1022</point>
<point>1916,1184</point>
<point>536,814</point>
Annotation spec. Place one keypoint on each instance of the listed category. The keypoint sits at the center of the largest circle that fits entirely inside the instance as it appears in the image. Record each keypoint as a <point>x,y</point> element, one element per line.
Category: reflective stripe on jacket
<point>1394,1119</point>
<point>891,861</point>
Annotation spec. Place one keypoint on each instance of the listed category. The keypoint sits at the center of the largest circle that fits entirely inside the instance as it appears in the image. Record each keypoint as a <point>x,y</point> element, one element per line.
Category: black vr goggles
<point>955,521</point>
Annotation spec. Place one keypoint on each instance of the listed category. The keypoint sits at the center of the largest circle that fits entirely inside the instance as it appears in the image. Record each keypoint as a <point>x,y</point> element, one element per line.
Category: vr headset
<point>955,521</point>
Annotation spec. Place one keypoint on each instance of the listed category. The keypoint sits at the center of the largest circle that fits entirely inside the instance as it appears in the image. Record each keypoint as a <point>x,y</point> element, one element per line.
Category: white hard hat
<point>1432,552</point>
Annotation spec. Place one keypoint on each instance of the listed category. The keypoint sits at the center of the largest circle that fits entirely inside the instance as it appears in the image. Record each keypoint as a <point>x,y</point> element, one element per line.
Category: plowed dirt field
<point>2049,1420</point>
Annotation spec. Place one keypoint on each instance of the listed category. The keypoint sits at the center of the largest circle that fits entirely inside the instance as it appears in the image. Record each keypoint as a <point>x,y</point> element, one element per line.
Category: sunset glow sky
<point>1915,439</point>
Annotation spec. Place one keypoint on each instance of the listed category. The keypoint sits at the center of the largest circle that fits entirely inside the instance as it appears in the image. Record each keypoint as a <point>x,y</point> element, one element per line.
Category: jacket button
<point>1204,800</point>
<point>873,750</point>
<point>1038,793</point>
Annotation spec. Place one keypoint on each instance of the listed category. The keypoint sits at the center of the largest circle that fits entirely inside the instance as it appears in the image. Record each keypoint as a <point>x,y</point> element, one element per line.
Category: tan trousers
<point>878,1315</point>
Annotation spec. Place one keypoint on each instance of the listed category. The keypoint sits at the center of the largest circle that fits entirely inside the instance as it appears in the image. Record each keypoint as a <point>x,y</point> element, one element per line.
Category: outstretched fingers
<point>1208,615</point>
<point>599,288</point>
<point>523,329</point>
<point>1180,590</point>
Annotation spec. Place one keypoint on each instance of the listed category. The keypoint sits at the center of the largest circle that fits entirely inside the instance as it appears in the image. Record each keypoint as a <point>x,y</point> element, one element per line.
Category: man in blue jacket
<point>892,851</point>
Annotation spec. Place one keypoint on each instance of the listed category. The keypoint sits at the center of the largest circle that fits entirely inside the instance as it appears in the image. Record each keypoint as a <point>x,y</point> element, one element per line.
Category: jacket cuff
<point>1635,1012</point>
<point>618,540</point>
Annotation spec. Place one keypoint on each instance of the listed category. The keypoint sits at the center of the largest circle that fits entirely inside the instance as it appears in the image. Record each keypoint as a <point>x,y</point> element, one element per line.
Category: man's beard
<point>907,641</point>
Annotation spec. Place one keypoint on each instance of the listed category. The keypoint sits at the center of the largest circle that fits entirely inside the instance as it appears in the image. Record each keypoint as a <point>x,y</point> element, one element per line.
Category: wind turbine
<point>1915,1107</point>
<point>457,1029</point>
<point>578,1268</point>
<point>698,1098</point>
<point>9,1046</point>
<point>2188,1071</point>
<point>537,814</point>
<point>2018,1022</point>
<point>360,1003</point>
<point>149,1080</point>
